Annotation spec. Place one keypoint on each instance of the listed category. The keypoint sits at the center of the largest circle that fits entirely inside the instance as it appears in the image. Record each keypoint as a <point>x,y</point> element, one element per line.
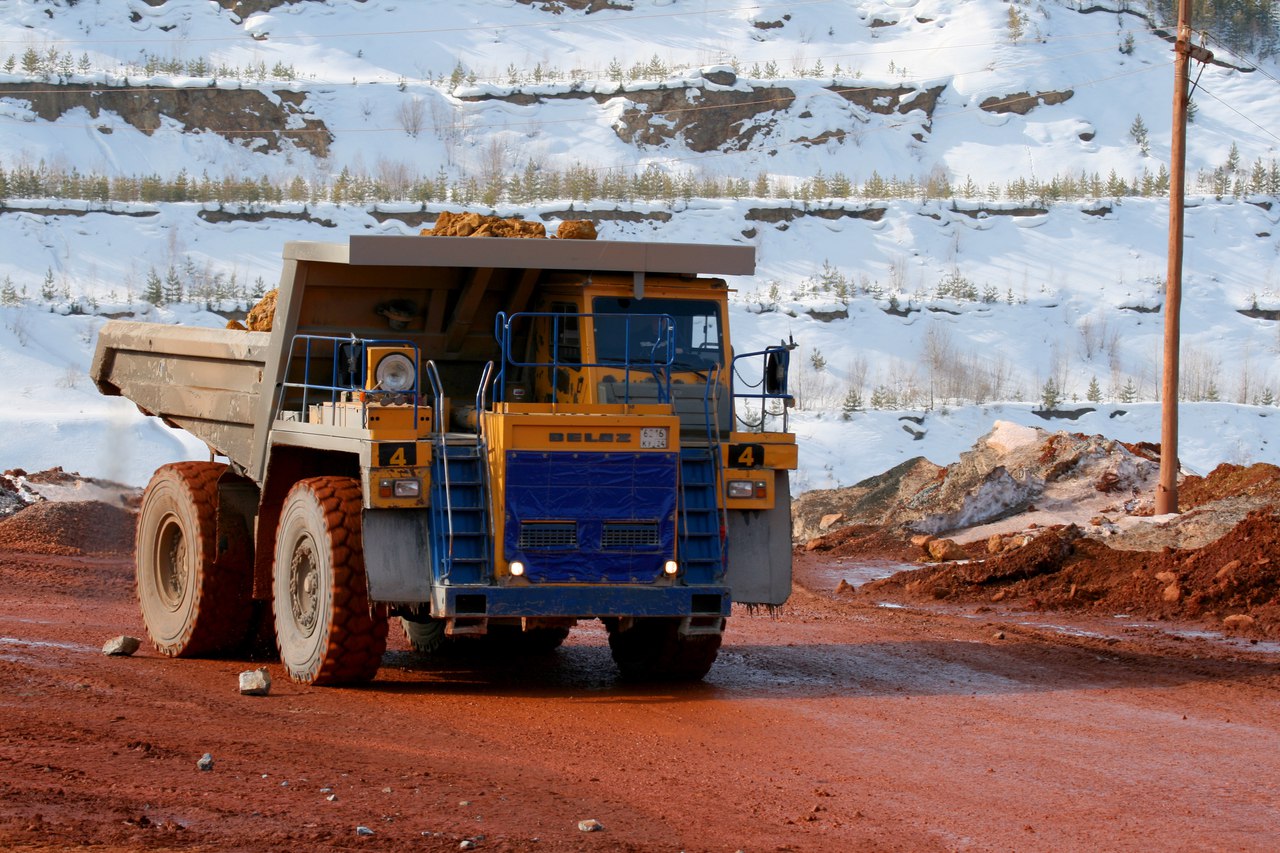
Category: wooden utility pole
<point>1167,488</point>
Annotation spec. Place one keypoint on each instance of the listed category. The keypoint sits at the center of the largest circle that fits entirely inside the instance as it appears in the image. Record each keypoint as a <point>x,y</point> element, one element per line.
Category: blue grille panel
<point>606,494</point>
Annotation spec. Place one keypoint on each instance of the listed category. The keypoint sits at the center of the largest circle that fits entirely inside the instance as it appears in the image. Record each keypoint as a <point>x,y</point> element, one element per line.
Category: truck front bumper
<point>585,601</point>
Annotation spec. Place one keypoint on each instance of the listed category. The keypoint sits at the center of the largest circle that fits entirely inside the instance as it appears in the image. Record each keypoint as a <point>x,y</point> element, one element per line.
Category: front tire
<point>327,630</point>
<point>190,605</point>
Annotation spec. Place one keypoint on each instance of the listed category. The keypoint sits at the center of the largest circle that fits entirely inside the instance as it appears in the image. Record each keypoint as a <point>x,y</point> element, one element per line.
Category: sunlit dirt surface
<point>834,724</point>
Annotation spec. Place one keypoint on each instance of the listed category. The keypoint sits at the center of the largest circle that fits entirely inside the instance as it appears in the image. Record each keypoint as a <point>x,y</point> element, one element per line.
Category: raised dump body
<point>484,436</point>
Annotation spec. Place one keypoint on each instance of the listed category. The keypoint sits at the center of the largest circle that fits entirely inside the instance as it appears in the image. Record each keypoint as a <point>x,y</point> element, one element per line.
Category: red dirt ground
<point>836,723</point>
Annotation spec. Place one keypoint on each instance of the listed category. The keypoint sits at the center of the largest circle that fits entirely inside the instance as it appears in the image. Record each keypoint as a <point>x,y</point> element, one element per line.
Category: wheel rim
<point>304,586</point>
<point>171,563</point>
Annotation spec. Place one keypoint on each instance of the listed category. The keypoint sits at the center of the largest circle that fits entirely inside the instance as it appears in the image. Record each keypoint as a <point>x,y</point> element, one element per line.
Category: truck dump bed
<point>224,386</point>
<point>205,381</point>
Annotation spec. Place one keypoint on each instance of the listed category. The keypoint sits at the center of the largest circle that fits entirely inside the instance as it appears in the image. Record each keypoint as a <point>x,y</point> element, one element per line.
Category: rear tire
<point>651,649</point>
<point>427,637</point>
<point>190,606</point>
<point>327,630</point>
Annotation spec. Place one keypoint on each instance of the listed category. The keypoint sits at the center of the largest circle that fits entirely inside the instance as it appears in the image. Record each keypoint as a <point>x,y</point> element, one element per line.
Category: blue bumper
<point>582,602</point>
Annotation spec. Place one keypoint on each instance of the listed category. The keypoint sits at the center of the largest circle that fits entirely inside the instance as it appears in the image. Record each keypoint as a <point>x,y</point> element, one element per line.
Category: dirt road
<point>836,725</point>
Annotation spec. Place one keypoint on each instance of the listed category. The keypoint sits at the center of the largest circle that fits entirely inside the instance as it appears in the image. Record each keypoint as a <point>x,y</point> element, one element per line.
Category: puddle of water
<point>858,573</point>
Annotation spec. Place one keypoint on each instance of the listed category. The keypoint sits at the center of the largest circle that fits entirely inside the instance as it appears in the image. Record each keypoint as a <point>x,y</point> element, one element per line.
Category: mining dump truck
<point>494,437</point>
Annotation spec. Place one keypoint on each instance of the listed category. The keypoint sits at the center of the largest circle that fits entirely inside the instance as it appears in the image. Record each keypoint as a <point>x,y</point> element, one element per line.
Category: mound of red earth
<point>1040,521</point>
<point>69,528</point>
<point>1231,583</point>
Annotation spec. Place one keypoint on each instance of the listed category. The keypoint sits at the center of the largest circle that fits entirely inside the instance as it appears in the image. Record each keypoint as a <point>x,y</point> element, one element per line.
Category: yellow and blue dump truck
<point>491,436</point>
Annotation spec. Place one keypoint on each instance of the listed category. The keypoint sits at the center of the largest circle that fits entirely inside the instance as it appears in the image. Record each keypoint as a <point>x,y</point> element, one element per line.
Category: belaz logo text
<point>591,437</point>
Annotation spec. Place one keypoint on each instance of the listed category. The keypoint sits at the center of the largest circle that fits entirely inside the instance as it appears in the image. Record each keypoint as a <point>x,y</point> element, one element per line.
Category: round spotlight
<point>516,568</point>
<point>395,373</point>
<point>670,567</point>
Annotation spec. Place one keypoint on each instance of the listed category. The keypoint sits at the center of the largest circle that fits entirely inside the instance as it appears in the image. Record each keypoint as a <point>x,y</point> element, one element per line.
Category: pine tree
<point>1094,394</point>
<point>1233,160</point>
<point>1050,396</point>
<point>153,292</point>
<point>1129,393</point>
<point>818,360</point>
<point>1138,132</point>
<point>852,403</point>
<point>1015,24</point>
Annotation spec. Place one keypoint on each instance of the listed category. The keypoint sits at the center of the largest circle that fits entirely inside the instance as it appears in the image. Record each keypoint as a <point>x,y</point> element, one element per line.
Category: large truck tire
<point>652,649</point>
<point>425,637</point>
<point>327,630</point>
<point>190,605</point>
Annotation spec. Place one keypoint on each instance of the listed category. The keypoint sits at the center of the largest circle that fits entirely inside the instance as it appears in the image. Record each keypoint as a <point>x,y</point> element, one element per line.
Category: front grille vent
<point>542,535</point>
<point>629,534</point>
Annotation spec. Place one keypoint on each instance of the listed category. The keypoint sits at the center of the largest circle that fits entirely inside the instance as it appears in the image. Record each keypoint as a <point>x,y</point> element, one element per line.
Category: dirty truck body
<point>479,436</point>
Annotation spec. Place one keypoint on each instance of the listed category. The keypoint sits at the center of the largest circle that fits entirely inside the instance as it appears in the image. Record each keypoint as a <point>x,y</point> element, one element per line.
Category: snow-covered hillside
<point>947,199</point>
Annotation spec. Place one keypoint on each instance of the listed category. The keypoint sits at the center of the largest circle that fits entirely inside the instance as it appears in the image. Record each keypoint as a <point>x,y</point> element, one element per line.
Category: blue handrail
<point>773,364</point>
<point>355,373</point>
<point>660,369</point>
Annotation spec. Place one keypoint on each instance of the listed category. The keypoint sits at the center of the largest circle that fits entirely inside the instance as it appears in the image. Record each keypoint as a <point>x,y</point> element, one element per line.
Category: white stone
<point>255,682</point>
<point>124,645</point>
<point>1006,436</point>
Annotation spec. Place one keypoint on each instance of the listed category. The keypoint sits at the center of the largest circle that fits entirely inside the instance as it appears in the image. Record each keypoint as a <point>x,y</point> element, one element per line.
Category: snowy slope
<point>1073,288</point>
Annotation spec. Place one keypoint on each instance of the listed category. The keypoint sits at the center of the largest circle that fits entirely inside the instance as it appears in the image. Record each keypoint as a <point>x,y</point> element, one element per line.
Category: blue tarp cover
<point>591,489</point>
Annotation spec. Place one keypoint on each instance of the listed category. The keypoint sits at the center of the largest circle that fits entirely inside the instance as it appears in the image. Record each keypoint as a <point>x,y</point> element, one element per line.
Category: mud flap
<point>397,555</point>
<point>759,570</point>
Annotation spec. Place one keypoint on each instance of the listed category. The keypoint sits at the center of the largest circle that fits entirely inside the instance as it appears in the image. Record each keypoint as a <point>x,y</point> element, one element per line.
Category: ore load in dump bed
<point>491,437</point>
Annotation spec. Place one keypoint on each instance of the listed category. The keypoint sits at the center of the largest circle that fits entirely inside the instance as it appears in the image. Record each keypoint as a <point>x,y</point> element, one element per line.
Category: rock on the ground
<point>205,762</point>
<point>255,682</point>
<point>945,550</point>
<point>124,645</point>
<point>590,825</point>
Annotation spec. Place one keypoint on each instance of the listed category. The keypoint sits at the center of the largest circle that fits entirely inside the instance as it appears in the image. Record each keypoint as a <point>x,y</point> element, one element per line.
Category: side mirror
<point>775,371</point>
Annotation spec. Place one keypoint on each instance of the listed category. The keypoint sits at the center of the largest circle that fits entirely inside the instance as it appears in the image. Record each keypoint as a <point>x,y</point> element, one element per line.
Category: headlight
<point>400,488</point>
<point>670,567</point>
<point>741,489</point>
<point>395,372</point>
<point>517,568</point>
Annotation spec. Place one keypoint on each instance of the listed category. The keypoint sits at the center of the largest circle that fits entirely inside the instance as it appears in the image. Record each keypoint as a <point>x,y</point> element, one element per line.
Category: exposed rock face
<point>1012,469</point>
<point>238,114</point>
<point>890,100</point>
<point>704,119</point>
<point>872,501</point>
<point>1024,102</point>
<point>710,118</point>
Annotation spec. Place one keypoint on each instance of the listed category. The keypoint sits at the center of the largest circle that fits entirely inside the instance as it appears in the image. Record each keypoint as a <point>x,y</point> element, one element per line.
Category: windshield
<point>640,336</point>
